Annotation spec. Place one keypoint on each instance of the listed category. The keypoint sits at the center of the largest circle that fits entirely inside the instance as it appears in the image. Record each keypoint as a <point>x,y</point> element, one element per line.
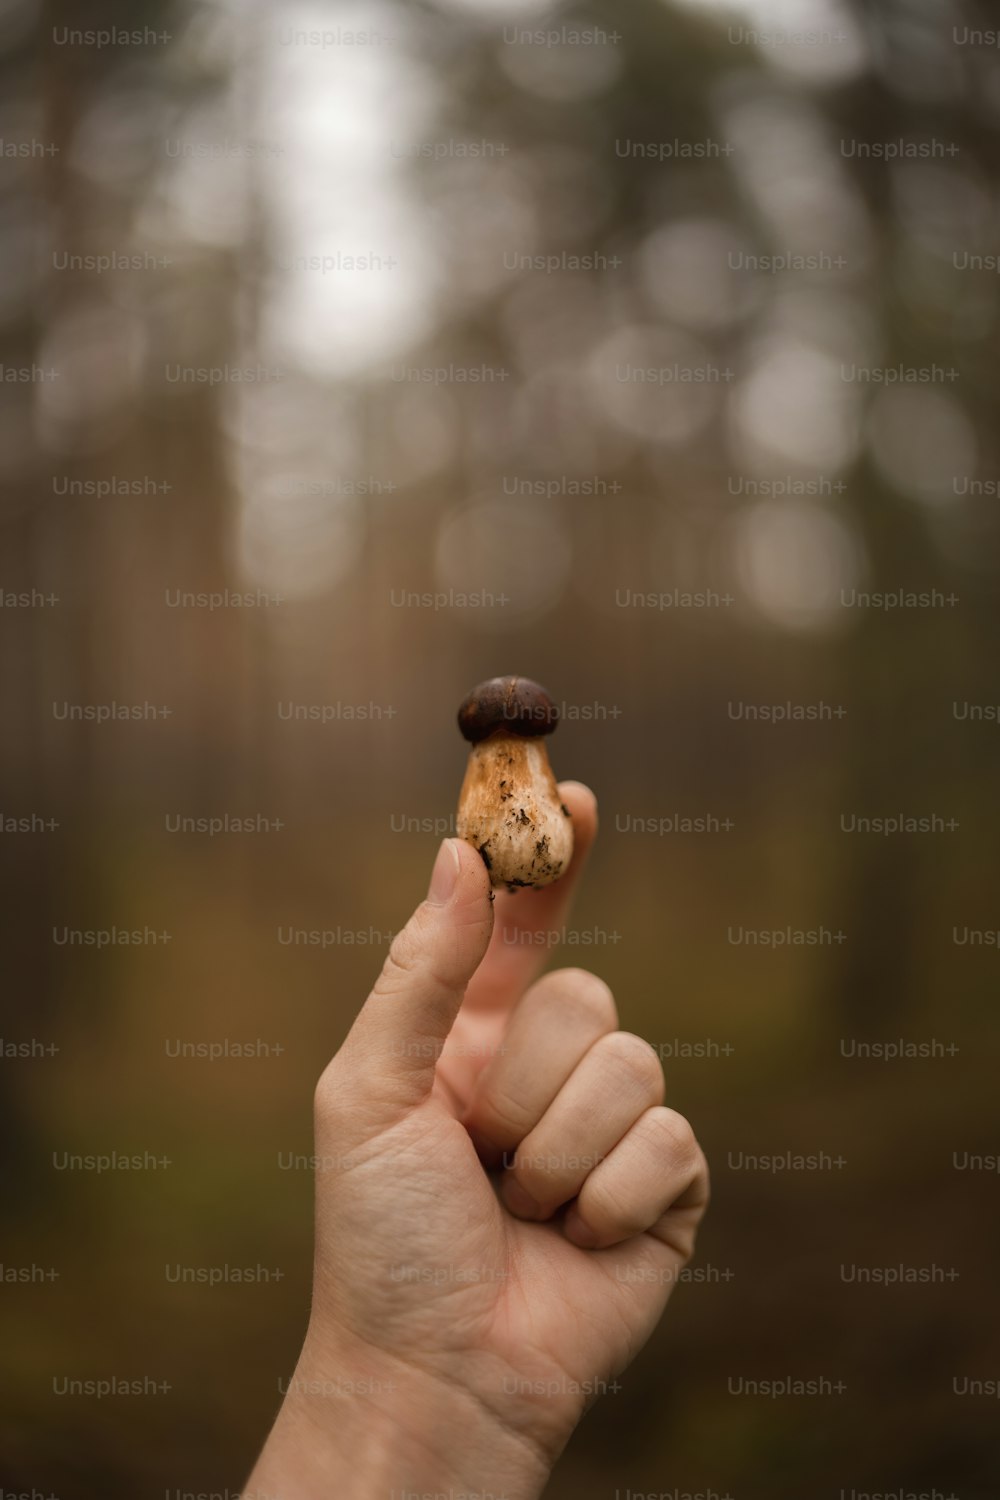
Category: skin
<point>502,1207</point>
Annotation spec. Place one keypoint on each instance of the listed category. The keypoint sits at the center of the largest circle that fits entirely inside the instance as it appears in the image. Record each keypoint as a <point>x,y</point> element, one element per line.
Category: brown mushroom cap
<point>507,705</point>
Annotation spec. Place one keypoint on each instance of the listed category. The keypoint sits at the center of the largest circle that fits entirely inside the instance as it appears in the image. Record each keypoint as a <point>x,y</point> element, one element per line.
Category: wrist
<point>355,1423</point>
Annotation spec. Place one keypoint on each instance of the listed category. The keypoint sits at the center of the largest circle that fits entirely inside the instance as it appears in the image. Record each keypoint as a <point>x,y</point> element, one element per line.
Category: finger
<point>549,1033</point>
<point>655,1179</point>
<point>389,1056</point>
<point>529,923</point>
<point>617,1081</point>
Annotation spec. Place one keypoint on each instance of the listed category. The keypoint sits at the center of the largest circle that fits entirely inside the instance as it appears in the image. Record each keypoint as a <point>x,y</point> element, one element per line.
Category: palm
<point>498,1300</point>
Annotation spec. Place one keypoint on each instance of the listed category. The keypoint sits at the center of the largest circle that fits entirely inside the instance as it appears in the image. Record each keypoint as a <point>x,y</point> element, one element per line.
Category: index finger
<point>528,924</point>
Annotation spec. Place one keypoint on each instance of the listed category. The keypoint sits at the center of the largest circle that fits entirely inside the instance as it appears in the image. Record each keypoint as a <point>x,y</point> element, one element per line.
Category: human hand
<point>464,1317</point>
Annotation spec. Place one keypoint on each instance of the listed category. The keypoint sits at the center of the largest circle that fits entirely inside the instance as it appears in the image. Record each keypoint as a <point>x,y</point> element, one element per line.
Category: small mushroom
<point>509,806</point>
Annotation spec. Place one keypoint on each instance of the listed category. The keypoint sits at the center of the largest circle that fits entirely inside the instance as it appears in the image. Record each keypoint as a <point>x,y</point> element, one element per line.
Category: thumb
<point>391,1051</point>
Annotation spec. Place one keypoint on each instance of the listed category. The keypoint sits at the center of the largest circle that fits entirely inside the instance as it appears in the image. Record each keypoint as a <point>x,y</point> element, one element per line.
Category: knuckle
<point>635,1058</point>
<point>607,1210</point>
<point>673,1137</point>
<point>418,961</point>
<point>399,967</point>
<point>526,1166</point>
<point>589,995</point>
<point>334,1100</point>
<point>706,1182</point>
<point>502,1119</point>
<point>541,1169</point>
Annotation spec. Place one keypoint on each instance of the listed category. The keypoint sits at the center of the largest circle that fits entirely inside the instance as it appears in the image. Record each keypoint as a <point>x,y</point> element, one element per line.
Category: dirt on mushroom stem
<point>511,812</point>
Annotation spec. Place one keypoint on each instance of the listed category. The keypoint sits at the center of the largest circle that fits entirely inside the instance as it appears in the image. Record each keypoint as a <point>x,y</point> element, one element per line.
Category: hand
<point>478,1311</point>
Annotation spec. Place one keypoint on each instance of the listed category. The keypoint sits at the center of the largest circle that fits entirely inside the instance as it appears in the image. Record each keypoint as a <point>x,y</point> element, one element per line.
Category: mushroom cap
<point>507,705</point>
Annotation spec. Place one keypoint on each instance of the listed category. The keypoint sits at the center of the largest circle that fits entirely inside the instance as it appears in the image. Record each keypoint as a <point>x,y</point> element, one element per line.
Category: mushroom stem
<point>509,807</point>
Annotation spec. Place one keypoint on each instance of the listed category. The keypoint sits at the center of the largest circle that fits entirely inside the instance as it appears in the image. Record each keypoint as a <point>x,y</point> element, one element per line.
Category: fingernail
<point>579,1231</point>
<point>445,875</point>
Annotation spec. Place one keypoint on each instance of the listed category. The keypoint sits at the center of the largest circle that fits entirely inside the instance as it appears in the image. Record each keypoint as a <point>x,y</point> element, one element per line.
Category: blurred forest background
<point>770,469</point>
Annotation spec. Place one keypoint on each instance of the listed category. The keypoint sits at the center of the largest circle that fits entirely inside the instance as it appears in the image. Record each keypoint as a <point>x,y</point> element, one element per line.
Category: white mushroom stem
<point>509,809</point>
